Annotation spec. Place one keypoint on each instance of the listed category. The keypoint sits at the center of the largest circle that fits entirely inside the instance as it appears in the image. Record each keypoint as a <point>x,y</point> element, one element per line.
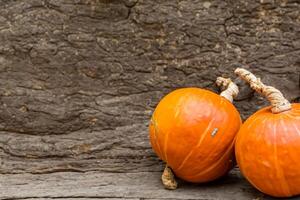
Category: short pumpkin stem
<point>230,91</point>
<point>168,179</point>
<point>275,97</point>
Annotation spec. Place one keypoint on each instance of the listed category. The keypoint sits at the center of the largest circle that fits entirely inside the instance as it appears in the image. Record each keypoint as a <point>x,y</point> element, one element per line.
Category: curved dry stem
<point>275,97</point>
<point>230,91</point>
<point>168,179</point>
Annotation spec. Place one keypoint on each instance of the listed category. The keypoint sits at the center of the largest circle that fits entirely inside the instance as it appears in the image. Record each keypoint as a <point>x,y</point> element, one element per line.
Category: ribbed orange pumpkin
<point>268,143</point>
<point>193,131</point>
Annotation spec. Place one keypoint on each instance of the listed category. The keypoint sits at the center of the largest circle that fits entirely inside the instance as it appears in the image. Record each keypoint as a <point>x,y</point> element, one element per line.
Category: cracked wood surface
<point>80,79</point>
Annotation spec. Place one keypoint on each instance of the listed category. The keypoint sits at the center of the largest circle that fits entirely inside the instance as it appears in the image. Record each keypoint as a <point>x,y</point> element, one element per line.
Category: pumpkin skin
<point>268,151</point>
<point>193,130</point>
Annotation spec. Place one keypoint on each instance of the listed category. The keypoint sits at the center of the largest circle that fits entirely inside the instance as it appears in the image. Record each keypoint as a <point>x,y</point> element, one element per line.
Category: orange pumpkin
<point>193,131</point>
<point>268,143</point>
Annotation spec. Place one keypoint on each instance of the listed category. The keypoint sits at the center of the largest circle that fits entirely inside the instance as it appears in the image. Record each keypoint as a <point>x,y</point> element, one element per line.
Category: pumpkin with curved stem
<point>193,131</point>
<point>268,143</point>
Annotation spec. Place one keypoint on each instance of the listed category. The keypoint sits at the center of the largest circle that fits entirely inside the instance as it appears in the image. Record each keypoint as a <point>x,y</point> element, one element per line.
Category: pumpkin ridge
<point>166,139</point>
<point>241,137</point>
<point>293,115</point>
<point>218,161</point>
<point>201,138</point>
<point>241,159</point>
<point>283,182</point>
<point>262,121</point>
<point>199,143</point>
<point>177,112</point>
<point>197,146</point>
<point>156,140</point>
<point>295,127</point>
<point>249,128</point>
<point>219,133</point>
<point>215,163</point>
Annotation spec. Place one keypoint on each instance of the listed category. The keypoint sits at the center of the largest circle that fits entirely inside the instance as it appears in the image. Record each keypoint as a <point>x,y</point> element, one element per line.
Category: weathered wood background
<point>80,78</point>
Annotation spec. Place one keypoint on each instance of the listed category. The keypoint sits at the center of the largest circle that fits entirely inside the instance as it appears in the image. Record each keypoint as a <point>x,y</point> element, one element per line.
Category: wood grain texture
<point>80,79</point>
<point>141,185</point>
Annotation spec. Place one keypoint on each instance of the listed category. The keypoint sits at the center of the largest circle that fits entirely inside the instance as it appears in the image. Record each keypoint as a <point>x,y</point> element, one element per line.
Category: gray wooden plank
<point>140,185</point>
<point>87,198</point>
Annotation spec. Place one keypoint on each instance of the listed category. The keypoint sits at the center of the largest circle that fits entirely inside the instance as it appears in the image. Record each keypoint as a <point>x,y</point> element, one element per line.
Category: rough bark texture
<point>79,80</point>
